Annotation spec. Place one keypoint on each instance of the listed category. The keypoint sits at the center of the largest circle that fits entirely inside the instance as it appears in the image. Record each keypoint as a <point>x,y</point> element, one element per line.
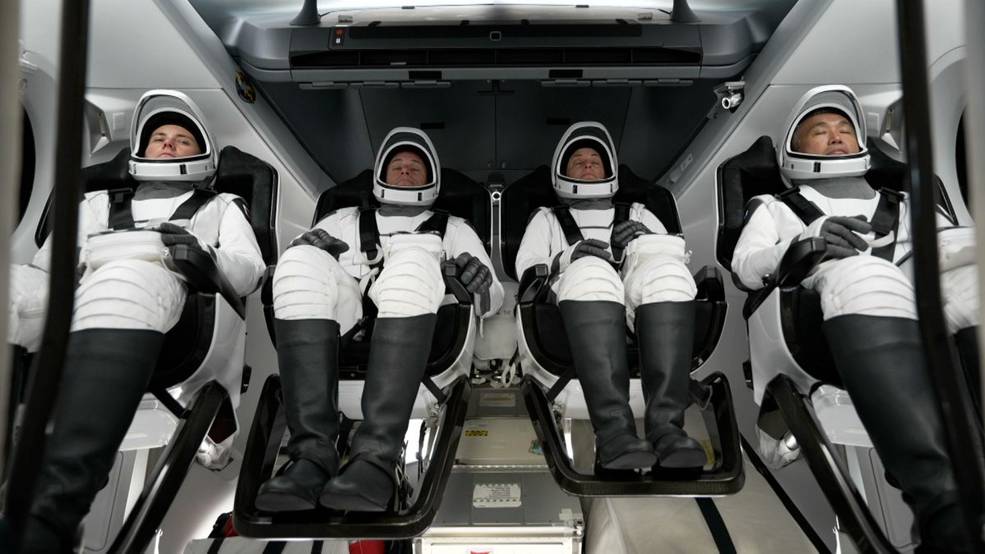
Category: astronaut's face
<point>826,134</point>
<point>406,169</point>
<point>171,141</point>
<point>585,165</point>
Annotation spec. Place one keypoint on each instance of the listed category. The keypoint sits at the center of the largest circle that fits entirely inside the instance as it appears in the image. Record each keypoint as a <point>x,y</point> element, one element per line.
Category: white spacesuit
<point>126,300</point>
<point>641,279</point>
<point>867,299</point>
<point>317,294</point>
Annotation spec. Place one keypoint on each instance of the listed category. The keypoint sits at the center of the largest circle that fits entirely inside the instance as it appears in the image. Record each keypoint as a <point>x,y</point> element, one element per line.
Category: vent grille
<point>452,57</point>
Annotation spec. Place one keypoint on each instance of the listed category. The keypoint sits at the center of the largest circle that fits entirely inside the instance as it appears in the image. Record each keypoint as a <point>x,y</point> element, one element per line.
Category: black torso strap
<point>121,207</point>
<point>572,233</point>
<point>369,231</point>
<point>621,214</point>
<point>885,220</point>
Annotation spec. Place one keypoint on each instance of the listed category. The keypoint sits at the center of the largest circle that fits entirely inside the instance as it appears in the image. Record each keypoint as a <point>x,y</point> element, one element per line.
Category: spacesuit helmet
<point>169,107</point>
<point>801,166</point>
<point>403,139</point>
<point>585,134</point>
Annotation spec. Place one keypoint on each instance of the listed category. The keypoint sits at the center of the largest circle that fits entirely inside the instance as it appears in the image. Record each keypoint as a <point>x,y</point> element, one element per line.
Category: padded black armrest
<point>710,284</point>
<point>267,300</point>
<point>533,283</point>
<point>450,273</point>
<point>799,259</point>
<point>203,275</point>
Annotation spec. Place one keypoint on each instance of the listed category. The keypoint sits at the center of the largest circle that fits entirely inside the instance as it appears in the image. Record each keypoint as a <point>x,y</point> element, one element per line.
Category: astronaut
<point>317,294</point>
<point>124,306</point>
<point>609,269</point>
<point>867,296</point>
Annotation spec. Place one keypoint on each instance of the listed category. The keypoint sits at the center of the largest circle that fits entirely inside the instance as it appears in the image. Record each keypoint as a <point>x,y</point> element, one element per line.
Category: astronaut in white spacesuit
<point>612,267</point>
<point>867,297</point>
<point>317,294</point>
<point>126,301</point>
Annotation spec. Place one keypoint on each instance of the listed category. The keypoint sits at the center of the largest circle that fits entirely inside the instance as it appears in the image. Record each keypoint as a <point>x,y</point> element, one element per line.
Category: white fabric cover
<point>310,284</point>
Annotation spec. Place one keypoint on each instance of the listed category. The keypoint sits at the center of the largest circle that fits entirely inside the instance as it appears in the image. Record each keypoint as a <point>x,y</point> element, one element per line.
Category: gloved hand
<point>173,235</point>
<point>626,231</point>
<point>580,249</point>
<point>474,274</point>
<point>319,238</point>
<point>840,234</point>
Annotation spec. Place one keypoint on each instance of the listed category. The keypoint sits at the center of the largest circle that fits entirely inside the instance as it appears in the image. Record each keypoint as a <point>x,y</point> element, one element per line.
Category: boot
<point>881,363</point>
<point>308,357</point>
<point>967,342</point>
<point>106,375</point>
<point>665,335</point>
<point>398,356</point>
<point>596,333</point>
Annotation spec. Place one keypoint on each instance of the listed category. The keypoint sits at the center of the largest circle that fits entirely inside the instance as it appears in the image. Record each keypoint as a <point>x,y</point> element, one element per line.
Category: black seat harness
<point>121,211</point>
<point>884,221</point>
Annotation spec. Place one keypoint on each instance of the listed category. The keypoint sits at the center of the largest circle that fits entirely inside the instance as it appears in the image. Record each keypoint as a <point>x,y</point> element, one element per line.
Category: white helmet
<point>798,166</point>
<point>399,140</point>
<point>585,134</point>
<point>169,107</point>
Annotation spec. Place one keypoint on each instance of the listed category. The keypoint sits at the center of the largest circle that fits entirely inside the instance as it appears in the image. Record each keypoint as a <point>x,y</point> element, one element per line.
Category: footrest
<point>725,477</point>
<point>258,466</point>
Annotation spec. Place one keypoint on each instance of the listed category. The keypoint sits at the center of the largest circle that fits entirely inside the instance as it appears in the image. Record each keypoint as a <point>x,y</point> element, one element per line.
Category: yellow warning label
<point>476,433</point>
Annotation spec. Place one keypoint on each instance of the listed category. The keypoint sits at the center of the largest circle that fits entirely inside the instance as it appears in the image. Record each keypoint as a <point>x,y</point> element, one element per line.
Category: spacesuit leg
<point>28,302</point>
<point>313,298</point>
<point>870,323</point>
<point>407,294</point>
<point>660,295</point>
<point>122,312</point>
<point>959,289</point>
<point>590,296</point>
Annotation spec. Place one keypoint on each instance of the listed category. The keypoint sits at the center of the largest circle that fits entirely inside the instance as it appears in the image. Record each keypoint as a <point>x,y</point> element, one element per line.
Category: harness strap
<point>572,233</point>
<point>806,210</point>
<point>369,234</point>
<point>190,207</point>
<point>621,214</point>
<point>437,223</point>
<point>120,212</point>
<point>886,221</point>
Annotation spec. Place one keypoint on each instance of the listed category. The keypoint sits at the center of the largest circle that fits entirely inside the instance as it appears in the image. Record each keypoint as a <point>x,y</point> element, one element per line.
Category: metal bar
<point>953,400</point>
<point>10,168</point>
<point>974,125</point>
<point>47,368</point>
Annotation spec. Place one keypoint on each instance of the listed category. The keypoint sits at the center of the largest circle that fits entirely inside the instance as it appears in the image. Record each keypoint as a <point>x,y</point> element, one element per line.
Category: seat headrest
<point>460,196</point>
<point>741,177</point>
<point>239,173</point>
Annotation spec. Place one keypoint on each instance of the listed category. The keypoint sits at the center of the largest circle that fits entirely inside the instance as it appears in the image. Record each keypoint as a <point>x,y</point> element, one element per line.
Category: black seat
<point>543,337</point>
<point>187,347</point>
<point>446,378</point>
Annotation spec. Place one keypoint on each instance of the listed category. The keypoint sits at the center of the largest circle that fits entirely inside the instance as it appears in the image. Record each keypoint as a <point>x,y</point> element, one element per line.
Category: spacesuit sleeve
<point>760,247</point>
<point>464,239</point>
<point>535,247</point>
<point>238,254</point>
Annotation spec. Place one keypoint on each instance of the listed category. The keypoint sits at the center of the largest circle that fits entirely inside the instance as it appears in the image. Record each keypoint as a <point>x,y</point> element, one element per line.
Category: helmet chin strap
<point>842,187</point>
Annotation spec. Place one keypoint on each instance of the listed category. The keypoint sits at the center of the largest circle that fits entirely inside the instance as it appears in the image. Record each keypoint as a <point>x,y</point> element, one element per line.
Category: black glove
<point>473,274</point>
<point>626,231</point>
<point>840,234</point>
<point>319,238</point>
<point>173,235</point>
<point>591,247</point>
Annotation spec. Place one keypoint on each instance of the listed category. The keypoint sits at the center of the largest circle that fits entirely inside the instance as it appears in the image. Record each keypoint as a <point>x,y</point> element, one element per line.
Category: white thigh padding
<point>310,284</point>
<point>590,279</point>
<point>959,289</point>
<point>129,294</point>
<point>410,283</point>
<point>956,247</point>
<point>28,303</point>
<point>863,285</point>
<point>122,245</point>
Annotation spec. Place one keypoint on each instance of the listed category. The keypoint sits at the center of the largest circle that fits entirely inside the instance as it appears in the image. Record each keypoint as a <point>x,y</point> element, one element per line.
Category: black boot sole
<point>352,503</point>
<point>684,459</point>
<point>282,502</point>
<point>631,460</point>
